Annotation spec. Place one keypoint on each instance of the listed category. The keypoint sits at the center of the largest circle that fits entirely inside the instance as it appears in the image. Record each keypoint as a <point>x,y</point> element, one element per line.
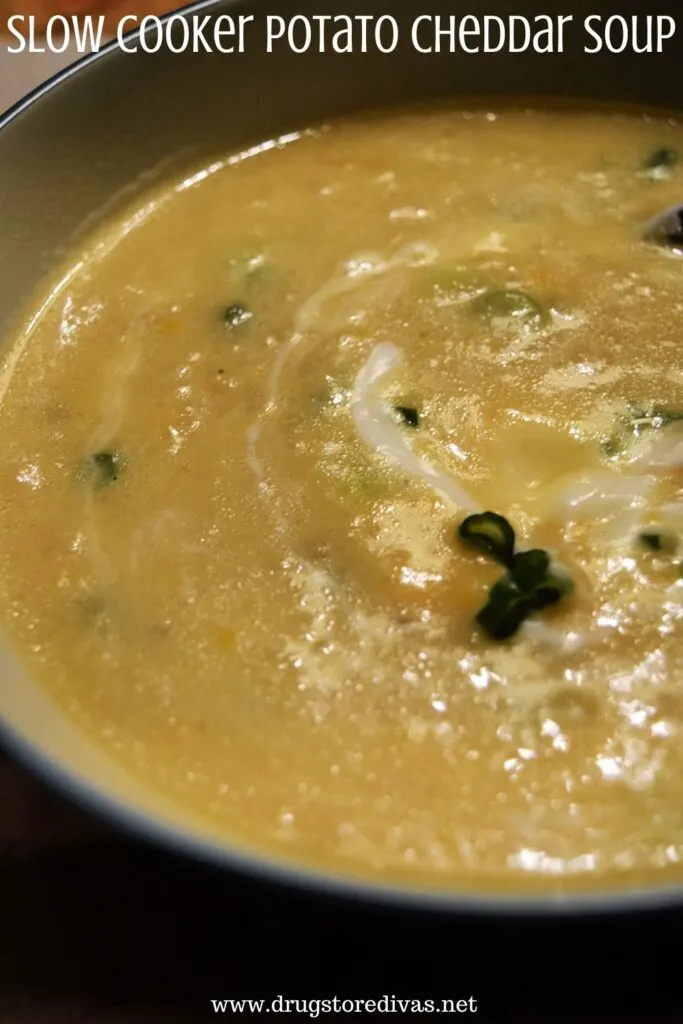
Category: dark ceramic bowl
<point>108,128</point>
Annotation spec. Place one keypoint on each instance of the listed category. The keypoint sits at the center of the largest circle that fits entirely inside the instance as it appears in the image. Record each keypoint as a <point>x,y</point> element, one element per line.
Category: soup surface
<point>240,438</point>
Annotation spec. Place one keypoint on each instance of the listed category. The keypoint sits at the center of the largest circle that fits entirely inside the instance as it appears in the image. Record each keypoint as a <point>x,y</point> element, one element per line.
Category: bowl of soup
<point>341,486</point>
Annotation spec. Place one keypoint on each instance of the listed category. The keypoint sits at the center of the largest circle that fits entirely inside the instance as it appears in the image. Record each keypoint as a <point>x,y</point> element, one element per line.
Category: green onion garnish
<point>408,414</point>
<point>510,304</point>
<point>531,586</point>
<point>103,468</point>
<point>656,540</point>
<point>491,533</point>
<point>661,159</point>
<point>236,315</point>
<point>531,583</point>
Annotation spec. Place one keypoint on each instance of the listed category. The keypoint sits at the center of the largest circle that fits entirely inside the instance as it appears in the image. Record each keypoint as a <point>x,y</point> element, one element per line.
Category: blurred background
<point>21,72</point>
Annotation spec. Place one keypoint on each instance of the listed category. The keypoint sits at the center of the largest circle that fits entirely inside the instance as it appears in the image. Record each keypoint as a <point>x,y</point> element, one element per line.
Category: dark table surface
<point>97,928</point>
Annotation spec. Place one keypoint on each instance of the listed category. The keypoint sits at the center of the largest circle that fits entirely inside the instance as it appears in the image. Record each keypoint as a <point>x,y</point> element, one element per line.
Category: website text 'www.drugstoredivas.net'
<point>314,1008</point>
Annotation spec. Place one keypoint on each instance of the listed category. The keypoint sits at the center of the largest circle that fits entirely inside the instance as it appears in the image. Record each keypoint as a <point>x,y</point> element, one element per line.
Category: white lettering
<point>57,33</point>
<point>230,29</point>
<point>342,40</point>
<point>415,34</point>
<point>200,44</point>
<point>593,33</point>
<point>275,29</point>
<point>492,21</point>
<point>16,33</point>
<point>465,30</point>
<point>525,27</point>
<point>299,19</point>
<point>489,34</point>
<point>447,33</point>
<point>336,33</point>
<point>33,46</point>
<point>179,34</point>
<point>386,19</point>
<point>122,30</point>
<point>363,20</point>
<point>664,21</point>
<point>621,23</point>
<point>88,39</point>
<point>151,26</point>
<point>173,27</point>
<point>642,34</point>
<point>86,33</point>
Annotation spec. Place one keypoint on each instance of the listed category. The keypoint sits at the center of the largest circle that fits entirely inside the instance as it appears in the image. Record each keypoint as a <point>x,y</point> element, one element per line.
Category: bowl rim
<point>271,869</point>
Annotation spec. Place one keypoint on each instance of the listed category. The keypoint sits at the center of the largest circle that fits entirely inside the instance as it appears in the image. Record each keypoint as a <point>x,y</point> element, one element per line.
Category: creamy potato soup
<point>342,497</point>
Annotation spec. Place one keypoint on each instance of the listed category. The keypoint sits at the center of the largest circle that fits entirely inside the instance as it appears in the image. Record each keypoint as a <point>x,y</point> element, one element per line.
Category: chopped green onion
<point>236,315</point>
<point>635,422</point>
<point>93,609</point>
<point>661,159</point>
<point>612,446</point>
<point>491,533</point>
<point>529,587</point>
<point>650,418</point>
<point>103,468</point>
<point>504,612</point>
<point>662,541</point>
<point>666,230</point>
<point>556,585</point>
<point>510,304</point>
<point>530,569</point>
<point>534,574</point>
<point>408,414</point>
<point>531,583</point>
